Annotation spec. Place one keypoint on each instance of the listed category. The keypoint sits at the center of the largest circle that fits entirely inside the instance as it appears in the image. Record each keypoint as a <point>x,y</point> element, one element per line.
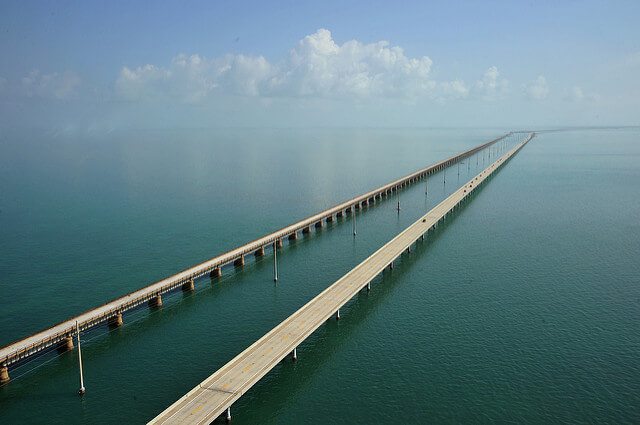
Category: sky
<point>101,66</point>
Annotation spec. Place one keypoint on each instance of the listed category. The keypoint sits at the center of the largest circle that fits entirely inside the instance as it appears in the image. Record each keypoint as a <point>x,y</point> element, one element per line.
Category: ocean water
<point>524,307</point>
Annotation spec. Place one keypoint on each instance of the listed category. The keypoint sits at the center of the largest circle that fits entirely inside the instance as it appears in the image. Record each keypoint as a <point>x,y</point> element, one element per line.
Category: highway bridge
<point>61,335</point>
<point>215,395</point>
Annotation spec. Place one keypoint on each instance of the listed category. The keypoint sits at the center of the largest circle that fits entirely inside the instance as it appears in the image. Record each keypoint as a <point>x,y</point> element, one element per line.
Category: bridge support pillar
<point>279,243</point>
<point>66,345</point>
<point>340,214</point>
<point>357,207</point>
<point>189,285</point>
<point>239,262</point>
<point>306,230</point>
<point>116,321</point>
<point>259,252</point>
<point>294,355</point>
<point>391,265</point>
<point>215,273</point>
<point>156,302</point>
<point>228,414</point>
<point>293,236</point>
<point>368,286</point>
<point>330,218</point>
<point>319,224</point>
<point>4,375</point>
<point>338,315</point>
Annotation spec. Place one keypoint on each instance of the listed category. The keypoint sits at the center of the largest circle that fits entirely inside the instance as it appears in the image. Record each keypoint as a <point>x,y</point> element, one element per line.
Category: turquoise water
<point>524,307</point>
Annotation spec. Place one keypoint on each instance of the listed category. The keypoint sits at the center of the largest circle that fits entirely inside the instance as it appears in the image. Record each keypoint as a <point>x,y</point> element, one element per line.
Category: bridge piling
<point>156,302</point>
<point>338,314</point>
<point>294,355</point>
<point>189,285</point>
<point>259,252</point>
<point>4,375</point>
<point>66,344</point>
<point>215,273</point>
<point>293,236</point>
<point>239,262</point>
<point>116,321</point>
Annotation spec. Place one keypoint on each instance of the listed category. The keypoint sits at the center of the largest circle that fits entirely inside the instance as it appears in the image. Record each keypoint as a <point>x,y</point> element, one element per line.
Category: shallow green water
<point>523,308</point>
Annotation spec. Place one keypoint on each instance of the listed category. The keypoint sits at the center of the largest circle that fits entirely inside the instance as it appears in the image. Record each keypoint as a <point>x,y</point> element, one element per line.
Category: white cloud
<point>455,89</point>
<point>492,86</point>
<point>316,67</point>
<point>144,81</point>
<point>57,86</point>
<point>538,89</point>
<point>576,94</point>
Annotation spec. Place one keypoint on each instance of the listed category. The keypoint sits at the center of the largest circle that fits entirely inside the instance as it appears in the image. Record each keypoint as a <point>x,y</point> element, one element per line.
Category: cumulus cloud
<point>538,89</point>
<point>492,86</point>
<point>319,66</point>
<point>55,85</point>
<point>193,78</point>
<point>145,80</point>
<point>316,66</point>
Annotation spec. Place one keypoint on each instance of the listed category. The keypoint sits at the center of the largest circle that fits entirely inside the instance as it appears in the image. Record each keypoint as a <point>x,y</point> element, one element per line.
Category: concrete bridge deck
<point>61,334</point>
<point>216,394</point>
